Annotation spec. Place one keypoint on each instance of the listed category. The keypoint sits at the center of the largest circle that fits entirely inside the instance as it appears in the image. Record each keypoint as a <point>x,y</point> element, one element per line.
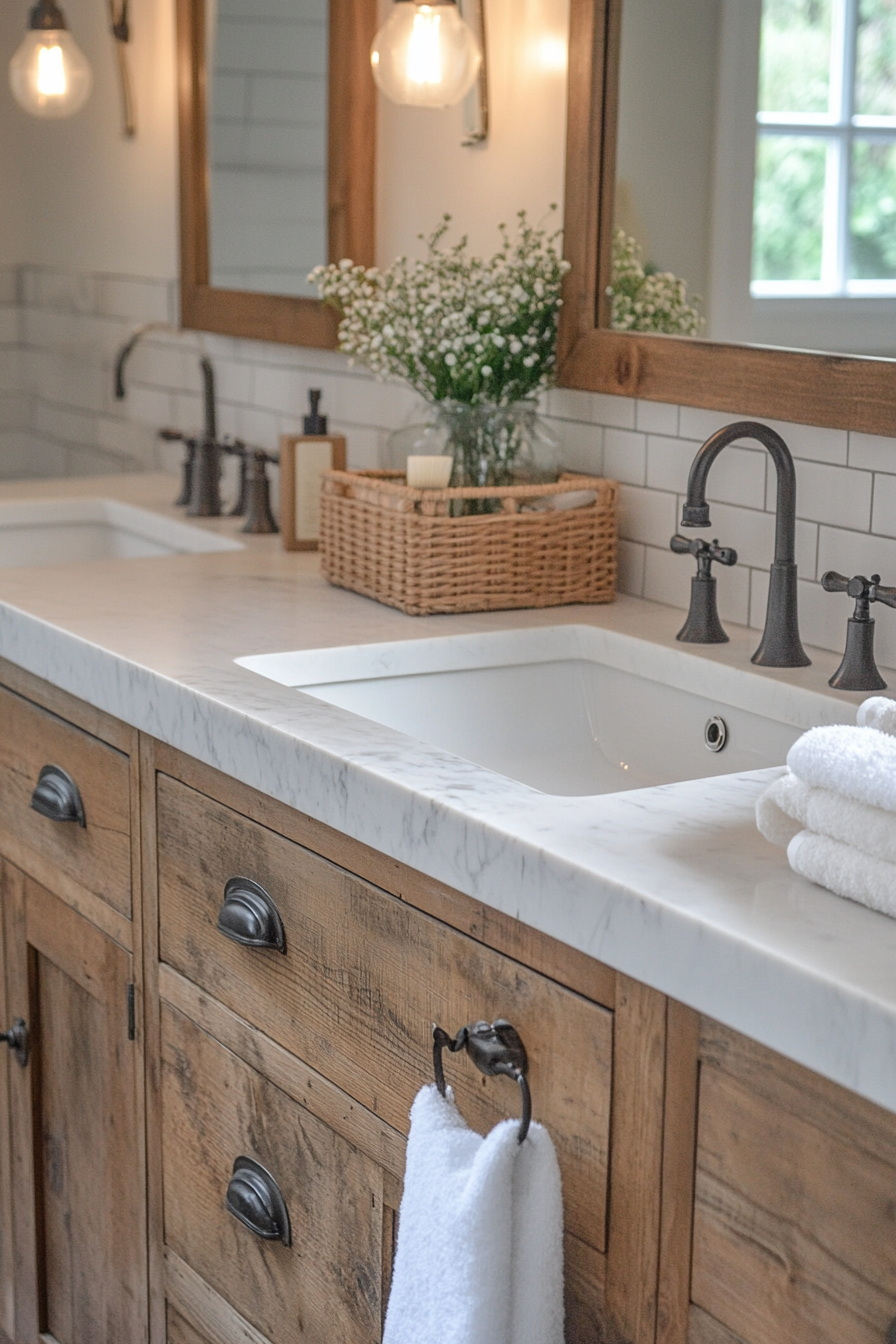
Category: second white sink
<point>569,709</point>
<point>65,531</point>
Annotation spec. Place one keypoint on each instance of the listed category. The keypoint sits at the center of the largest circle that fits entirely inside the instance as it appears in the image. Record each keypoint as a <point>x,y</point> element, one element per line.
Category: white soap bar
<point>429,473</point>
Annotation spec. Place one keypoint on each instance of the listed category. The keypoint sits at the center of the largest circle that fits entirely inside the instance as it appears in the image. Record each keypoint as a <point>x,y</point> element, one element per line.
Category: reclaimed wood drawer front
<point>364,978</point>
<point>795,1217</point>
<point>180,1331</point>
<point>98,856</point>
<point>326,1287</point>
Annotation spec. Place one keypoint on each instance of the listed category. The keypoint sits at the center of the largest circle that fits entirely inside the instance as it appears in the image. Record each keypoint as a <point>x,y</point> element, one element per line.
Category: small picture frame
<point>303,457</point>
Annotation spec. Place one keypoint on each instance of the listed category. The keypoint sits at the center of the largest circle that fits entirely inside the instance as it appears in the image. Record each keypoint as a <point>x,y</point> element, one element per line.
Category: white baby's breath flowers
<point>455,326</point>
<point>649,301</point>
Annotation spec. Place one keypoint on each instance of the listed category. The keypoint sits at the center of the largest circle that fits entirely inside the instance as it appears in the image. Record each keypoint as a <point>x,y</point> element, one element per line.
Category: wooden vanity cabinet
<point>788,1229</point>
<point>332,1035</point>
<point>715,1193</point>
<point>72,1135</point>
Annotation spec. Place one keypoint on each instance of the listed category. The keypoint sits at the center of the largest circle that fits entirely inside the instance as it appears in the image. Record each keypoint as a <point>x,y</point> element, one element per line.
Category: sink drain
<point>715,734</point>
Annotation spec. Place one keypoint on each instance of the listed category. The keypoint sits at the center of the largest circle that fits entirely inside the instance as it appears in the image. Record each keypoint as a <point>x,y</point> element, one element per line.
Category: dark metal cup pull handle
<point>17,1040</point>
<point>254,1199</point>
<point>249,916</point>
<point>495,1048</point>
<point>56,795</point>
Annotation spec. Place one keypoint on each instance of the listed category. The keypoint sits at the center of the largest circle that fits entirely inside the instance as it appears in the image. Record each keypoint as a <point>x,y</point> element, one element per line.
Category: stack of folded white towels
<point>835,808</point>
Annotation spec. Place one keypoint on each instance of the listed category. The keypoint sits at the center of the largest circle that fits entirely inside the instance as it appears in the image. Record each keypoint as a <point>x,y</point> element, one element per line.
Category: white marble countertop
<point>672,885</point>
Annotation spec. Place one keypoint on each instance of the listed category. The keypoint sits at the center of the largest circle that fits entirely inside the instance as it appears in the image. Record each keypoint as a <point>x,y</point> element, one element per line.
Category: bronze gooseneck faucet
<point>780,645</point>
<point>201,490</point>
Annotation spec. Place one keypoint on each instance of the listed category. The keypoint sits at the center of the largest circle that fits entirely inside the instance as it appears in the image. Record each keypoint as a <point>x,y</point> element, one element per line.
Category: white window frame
<point>838,127</point>
<point>857,323</point>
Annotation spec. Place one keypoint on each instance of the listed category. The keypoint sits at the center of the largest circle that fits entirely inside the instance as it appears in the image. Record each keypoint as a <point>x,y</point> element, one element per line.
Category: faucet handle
<point>832,582</point>
<point>864,591</point>
<point>705,551</point>
<point>858,670</point>
<point>881,594</point>
<point>703,625</point>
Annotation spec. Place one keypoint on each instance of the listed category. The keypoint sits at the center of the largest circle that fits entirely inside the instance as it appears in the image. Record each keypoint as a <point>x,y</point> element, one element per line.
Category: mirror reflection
<point>756,163</point>
<point>267,143</point>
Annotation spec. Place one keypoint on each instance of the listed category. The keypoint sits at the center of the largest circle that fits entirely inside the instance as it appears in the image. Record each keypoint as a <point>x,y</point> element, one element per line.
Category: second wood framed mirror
<point>277,111</point>
<point>798,173</point>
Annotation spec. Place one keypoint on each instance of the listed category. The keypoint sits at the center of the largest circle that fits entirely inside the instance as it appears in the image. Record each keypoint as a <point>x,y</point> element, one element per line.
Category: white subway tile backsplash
<point>581,445</point>
<point>646,515</point>
<point>617,411</point>
<point>10,285</point>
<point>625,456</point>
<point>656,417</point>
<point>261,428</point>
<point>632,555</point>
<point>808,441</point>
<point>695,423</point>
<point>736,477</point>
<point>871,452</point>
<point>565,403</point>
<point>66,291</point>
<point>823,616</point>
<point>188,412</point>
<point>852,553</point>
<point>65,425</point>
<point>134,300</point>
<point>59,333</point>
<point>10,320</point>
<point>826,494</point>
<point>883,513</point>
<point>15,410</point>
<point>28,454</point>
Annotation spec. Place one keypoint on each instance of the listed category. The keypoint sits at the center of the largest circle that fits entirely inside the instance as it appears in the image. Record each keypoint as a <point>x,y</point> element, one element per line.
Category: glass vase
<point>498,445</point>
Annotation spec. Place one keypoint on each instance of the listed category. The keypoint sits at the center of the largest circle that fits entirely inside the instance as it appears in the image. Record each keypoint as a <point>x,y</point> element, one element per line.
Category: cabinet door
<point>77,1179</point>
<point>795,1204</point>
<point>7,1276</point>
<point>323,1281</point>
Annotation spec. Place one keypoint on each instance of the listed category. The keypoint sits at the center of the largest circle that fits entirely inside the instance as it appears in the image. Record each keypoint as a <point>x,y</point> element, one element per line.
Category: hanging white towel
<point>878,712</point>
<point>858,762</point>
<point>844,871</point>
<point>789,806</point>
<point>480,1234</point>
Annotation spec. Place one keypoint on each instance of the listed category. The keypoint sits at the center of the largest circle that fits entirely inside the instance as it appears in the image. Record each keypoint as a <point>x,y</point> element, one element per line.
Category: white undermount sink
<point>570,709</point>
<point>64,531</point>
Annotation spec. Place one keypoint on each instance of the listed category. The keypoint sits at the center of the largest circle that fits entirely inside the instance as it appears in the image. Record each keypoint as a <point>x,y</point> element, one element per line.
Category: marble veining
<point>672,885</point>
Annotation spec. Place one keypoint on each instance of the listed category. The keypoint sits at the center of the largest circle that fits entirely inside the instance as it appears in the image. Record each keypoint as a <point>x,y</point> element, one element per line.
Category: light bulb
<point>49,75</point>
<point>425,55</point>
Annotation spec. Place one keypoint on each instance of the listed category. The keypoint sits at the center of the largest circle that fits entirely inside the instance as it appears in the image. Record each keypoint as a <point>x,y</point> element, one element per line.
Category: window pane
<point>876,59</point>
<point>795,56</point>
<point>872,211</point>
<point>788,210</point>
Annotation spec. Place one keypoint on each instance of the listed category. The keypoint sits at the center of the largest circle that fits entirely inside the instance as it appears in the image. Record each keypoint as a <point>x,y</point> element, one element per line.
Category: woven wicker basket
<point>399,545</point>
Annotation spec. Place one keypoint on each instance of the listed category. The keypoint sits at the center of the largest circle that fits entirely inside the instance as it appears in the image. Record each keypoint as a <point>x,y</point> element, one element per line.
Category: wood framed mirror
<point>277,122</point>
<point>855,391</point>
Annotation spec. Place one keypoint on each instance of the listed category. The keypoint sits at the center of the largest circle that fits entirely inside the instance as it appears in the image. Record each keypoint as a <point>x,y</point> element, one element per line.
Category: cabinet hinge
<point>132,1014</point>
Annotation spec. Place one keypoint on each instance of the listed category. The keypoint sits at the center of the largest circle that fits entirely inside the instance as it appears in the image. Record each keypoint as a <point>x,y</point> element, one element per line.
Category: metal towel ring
<point>495,1048</point>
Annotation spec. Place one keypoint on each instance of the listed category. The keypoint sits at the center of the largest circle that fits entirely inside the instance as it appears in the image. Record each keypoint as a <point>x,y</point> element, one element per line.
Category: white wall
<point>80,196</point>
<point>423,171</point>
<point>91,200</point>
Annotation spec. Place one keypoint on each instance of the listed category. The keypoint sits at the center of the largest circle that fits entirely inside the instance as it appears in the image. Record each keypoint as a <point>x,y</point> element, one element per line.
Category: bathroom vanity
<point>711,1039</point>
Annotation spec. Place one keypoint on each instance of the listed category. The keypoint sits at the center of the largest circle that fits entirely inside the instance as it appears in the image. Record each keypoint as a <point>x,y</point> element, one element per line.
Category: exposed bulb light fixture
<point>425,55</point>
<point>49,75</point>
